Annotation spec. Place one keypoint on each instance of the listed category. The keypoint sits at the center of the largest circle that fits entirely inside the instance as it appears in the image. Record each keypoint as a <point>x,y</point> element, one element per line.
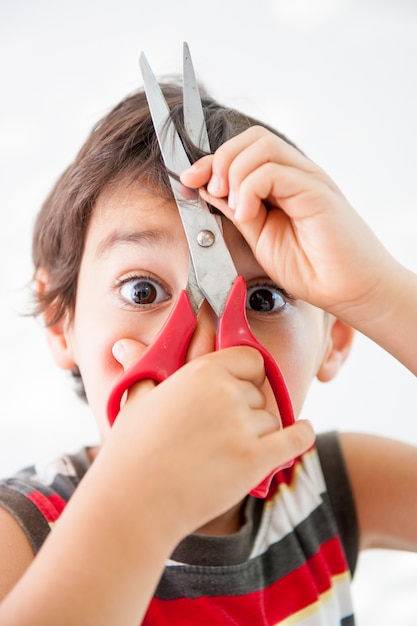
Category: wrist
<point>388,313</point>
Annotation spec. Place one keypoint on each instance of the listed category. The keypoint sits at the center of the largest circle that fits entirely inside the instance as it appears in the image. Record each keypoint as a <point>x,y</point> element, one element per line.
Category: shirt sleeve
<point>340,493</point>
<point>27,515</point>
<point>37,495</point>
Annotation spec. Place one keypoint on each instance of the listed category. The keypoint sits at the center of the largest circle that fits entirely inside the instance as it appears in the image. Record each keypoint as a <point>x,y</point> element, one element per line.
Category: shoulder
<point>16,552</point>
<point>30,503</point>
<point>36,496</point>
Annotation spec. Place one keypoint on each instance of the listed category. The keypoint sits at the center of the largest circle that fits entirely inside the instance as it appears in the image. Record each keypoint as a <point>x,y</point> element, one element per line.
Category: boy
<point>162,509</point>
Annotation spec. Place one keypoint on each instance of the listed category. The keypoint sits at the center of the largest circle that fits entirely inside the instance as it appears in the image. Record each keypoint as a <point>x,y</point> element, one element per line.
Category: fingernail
<point>119,351</point>
<point>190,170</point>
<point>214,184</point>
<point>231,201</point>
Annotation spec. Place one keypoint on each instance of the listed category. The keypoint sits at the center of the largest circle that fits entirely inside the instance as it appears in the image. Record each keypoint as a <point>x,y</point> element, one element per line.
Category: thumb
<point>127,352</point>
<point>249,225</point>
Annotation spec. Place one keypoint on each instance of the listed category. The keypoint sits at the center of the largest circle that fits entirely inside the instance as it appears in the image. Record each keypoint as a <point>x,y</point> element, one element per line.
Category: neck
<point>226,524</point>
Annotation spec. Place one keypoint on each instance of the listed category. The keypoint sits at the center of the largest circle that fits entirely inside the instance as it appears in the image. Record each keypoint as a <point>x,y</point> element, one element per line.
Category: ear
<point>340,342</point>
<point>59,345</point>
<point>56,334</point>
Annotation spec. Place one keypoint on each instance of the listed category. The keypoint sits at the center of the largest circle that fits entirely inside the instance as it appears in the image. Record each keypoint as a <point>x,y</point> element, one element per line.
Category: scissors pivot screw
<point>205,238</point>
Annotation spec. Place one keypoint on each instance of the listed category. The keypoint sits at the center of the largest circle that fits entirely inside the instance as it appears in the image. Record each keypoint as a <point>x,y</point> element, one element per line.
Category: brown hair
<point>122,146</point>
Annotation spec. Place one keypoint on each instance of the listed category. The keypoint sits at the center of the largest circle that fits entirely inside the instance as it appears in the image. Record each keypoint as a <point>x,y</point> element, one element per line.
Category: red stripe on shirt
<point>50,506</point>
<point>294,592</point>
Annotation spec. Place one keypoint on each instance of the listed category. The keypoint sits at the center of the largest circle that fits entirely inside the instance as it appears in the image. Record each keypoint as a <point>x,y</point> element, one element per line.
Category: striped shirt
<point>290,563</point>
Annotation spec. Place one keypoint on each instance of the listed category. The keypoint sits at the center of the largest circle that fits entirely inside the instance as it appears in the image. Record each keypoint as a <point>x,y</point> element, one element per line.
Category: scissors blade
<point>194,120</point>
<point>175,157</point>
<point>213,264</point>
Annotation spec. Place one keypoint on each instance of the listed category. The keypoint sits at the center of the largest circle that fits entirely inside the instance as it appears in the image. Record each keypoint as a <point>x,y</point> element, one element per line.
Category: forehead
<point>121,204</point>
<point>129,214</point>
<point>126,214</point>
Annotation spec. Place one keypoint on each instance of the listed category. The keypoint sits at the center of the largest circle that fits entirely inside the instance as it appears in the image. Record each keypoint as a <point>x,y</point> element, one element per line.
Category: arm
<point>15,552</point>
<point>383,474</point>
<point>308,238</point>
<point>156,479</point>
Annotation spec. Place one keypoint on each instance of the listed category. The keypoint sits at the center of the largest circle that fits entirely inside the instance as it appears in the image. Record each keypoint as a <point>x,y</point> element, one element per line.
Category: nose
<point>204,337</point>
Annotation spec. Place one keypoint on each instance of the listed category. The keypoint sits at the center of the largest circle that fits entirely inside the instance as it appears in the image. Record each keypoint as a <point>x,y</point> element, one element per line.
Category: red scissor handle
<point>167,354</point>
<point>234,330</point>
<point>161,358</point>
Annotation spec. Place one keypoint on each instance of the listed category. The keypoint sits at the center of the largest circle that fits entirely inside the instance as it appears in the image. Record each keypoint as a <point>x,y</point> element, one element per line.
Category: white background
<point>337,76</point>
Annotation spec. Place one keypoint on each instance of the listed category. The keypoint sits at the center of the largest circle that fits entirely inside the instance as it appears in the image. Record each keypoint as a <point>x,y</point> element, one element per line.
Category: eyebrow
<point>136,237</point>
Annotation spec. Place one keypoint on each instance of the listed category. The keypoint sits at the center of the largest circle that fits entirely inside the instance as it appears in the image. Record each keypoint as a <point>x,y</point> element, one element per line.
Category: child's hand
<point>127,352</point>
<point>206,433</point>
<point>301,229</point>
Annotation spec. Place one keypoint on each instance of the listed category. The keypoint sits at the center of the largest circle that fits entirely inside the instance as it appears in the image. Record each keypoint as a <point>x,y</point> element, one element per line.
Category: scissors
<point>212,275</point>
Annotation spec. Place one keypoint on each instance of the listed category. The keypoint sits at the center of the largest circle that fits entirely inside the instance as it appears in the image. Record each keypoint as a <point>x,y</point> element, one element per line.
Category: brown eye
<point>264,299</point>
<point>143,292</point>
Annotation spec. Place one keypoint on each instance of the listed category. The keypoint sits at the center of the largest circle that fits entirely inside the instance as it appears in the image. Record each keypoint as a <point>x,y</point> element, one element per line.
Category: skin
<point>301,243</point>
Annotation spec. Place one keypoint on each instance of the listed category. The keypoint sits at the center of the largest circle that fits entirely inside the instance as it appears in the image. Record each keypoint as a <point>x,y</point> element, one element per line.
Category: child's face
<point>134,265</point>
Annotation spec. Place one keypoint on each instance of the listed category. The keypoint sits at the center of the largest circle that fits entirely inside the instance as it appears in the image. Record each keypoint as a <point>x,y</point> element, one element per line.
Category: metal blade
<point>194,120</point>
<point>213,264</point>
<point>175,157</point>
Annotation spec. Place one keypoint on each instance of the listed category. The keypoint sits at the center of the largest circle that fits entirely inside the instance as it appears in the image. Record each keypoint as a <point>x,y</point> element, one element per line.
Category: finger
<point>244,363</point>
<point>249,227</point>
<point>300,194</point>
<point>238,156</point>
<point>251,394</point>
<point>266,148</point>
<point>199,174</point>
<point>218,203</point>
<point>264,423</point>
<point>128,351</point>
<point>270,183</point>
<point>281,447</point>
<point>290,189</point>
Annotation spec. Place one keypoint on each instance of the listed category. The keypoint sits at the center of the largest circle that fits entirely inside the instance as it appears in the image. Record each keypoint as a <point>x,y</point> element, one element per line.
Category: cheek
<point>99,369</point>
<point>94,332</point>
<point>295,348</point>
